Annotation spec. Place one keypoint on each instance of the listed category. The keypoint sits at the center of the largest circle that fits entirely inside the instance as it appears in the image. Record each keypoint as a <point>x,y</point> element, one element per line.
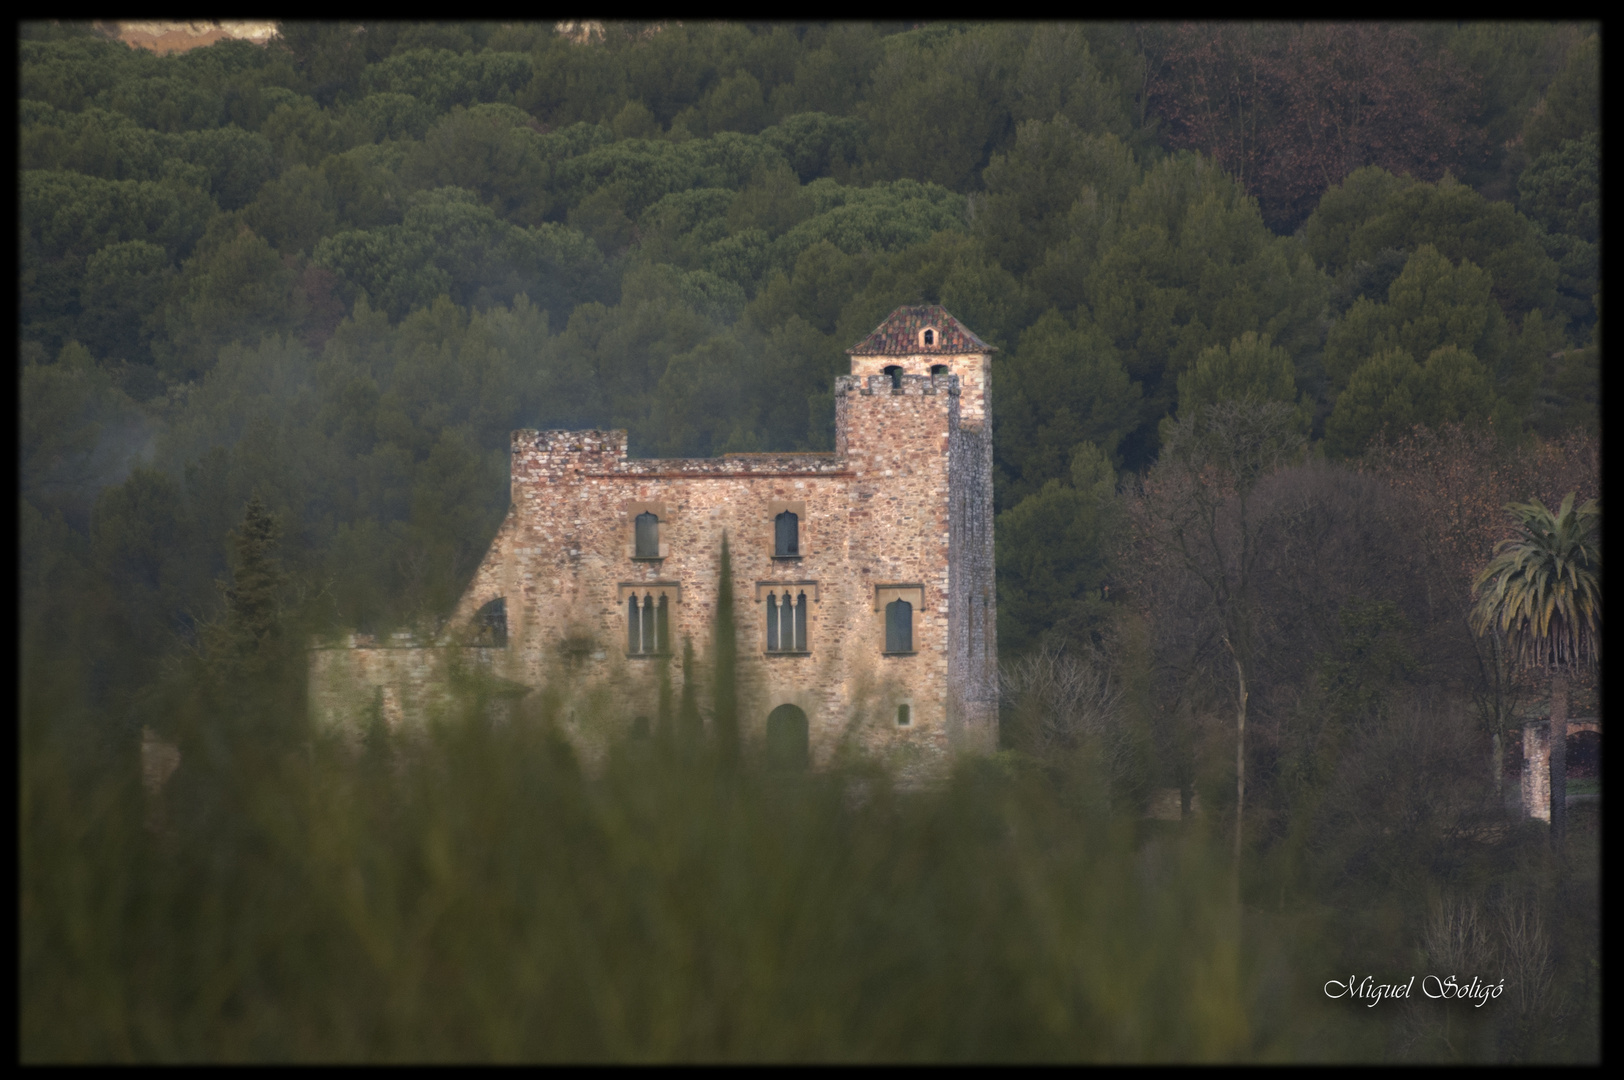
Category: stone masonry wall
<point>902,508</point>
<point>972,589</point>
<point>408,686</point>
<point>873,514</point>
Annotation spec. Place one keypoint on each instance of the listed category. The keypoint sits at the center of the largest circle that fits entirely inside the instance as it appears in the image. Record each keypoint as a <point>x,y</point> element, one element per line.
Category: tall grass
<point>473,896</point>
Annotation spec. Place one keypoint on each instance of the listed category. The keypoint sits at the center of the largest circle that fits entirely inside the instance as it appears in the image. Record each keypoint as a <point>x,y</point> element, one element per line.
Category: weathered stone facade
<point>900,511</point>
<point>1536,762</point>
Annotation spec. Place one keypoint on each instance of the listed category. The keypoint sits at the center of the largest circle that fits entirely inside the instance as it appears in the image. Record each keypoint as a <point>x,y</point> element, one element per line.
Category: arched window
<point>899,627</point>
<point>787,535</point>
<point>938,369</point>
<point>896,375</point>
<point>930,337</point>
<point>490,624</point>
<point>648,536</point>
<point>786,623</point>
<point>788,739</point>
<point>647,624</point>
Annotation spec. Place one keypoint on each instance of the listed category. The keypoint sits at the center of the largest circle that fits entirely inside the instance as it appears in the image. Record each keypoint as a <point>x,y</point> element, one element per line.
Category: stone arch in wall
<point>490,624</point>
<point>788,739</point>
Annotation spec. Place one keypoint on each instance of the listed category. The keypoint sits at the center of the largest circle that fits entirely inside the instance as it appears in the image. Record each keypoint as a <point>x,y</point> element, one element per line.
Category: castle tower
<point>925,343</point>
<point>863,578</point>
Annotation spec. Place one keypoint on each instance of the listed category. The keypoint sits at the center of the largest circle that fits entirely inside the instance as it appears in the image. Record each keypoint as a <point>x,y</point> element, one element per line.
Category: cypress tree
<point>662,721</point>
<point>250,655</point>
<point>689,726</point>
<point>727,656</point>
<point>245,644</point>
<point>240,704</point>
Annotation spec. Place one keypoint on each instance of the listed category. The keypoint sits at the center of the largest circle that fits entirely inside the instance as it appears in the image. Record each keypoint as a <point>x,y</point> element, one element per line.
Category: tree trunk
<point>1559,756</point>
<point>1497,770</point>
<point>1240,759</point>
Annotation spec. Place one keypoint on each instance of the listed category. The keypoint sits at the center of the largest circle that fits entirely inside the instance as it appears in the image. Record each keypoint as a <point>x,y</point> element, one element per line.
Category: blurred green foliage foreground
<point>473,896</point>
<point>477,898</point>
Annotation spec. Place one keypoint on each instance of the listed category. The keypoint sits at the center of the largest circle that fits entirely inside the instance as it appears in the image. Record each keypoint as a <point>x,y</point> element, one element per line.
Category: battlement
<point>541,456</point>
<point>898,385</point>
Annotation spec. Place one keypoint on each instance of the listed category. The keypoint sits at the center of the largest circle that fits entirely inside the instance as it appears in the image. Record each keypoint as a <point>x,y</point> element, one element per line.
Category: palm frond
<point>1542,588</point>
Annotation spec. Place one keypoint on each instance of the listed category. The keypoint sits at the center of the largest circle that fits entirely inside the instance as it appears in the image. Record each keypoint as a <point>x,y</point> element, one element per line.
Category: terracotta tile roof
<point>898,335</point>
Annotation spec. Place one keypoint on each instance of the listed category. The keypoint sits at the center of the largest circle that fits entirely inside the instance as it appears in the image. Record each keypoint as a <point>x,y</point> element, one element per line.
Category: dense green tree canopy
<point>338,268</point>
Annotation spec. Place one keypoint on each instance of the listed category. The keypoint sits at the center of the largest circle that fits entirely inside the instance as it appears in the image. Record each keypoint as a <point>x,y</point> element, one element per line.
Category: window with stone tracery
<point>786,621</point>
<point>648,625</point>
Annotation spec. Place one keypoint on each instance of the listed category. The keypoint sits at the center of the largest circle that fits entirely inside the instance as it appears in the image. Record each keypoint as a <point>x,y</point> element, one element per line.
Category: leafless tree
<point>1197,518</point>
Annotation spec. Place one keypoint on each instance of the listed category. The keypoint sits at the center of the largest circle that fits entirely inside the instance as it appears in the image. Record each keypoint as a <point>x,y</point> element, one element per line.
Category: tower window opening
<point>787,535</point>
<point>896,375</point>
<point>904,715</point>
<point>938,369</point>
<point>648,536</point>
<point>930,337</point>
<point>899,627</point>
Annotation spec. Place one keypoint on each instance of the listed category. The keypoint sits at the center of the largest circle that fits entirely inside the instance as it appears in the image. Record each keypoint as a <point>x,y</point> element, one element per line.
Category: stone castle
<point>862,578</point>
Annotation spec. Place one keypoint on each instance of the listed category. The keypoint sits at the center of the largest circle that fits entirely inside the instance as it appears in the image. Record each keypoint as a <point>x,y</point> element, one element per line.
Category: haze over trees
<point>279,307</point>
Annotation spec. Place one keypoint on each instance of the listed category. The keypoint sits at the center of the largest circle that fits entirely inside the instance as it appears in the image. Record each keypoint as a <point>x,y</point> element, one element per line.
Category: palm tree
<point>1542,592</point>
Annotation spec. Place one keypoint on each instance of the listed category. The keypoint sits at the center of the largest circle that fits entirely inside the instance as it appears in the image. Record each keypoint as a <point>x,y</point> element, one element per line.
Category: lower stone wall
<point>1536,763</point>
<point>406,687</point>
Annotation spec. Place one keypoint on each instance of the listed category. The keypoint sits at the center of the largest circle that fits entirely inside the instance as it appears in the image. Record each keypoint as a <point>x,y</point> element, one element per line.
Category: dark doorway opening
<point>788,739</point>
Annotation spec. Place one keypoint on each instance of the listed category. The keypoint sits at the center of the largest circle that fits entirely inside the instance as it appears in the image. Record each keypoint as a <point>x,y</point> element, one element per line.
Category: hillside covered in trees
<point>1335,287</point>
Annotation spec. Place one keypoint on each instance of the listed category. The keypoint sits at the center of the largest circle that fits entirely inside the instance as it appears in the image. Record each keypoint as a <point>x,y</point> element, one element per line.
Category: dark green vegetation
<point>326,277</point>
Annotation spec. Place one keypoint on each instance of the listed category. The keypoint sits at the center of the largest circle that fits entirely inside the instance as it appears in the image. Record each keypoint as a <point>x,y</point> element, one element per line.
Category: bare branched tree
<point>1058,700</point>
<point>1198,518</point>
<point>1458,939</point>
